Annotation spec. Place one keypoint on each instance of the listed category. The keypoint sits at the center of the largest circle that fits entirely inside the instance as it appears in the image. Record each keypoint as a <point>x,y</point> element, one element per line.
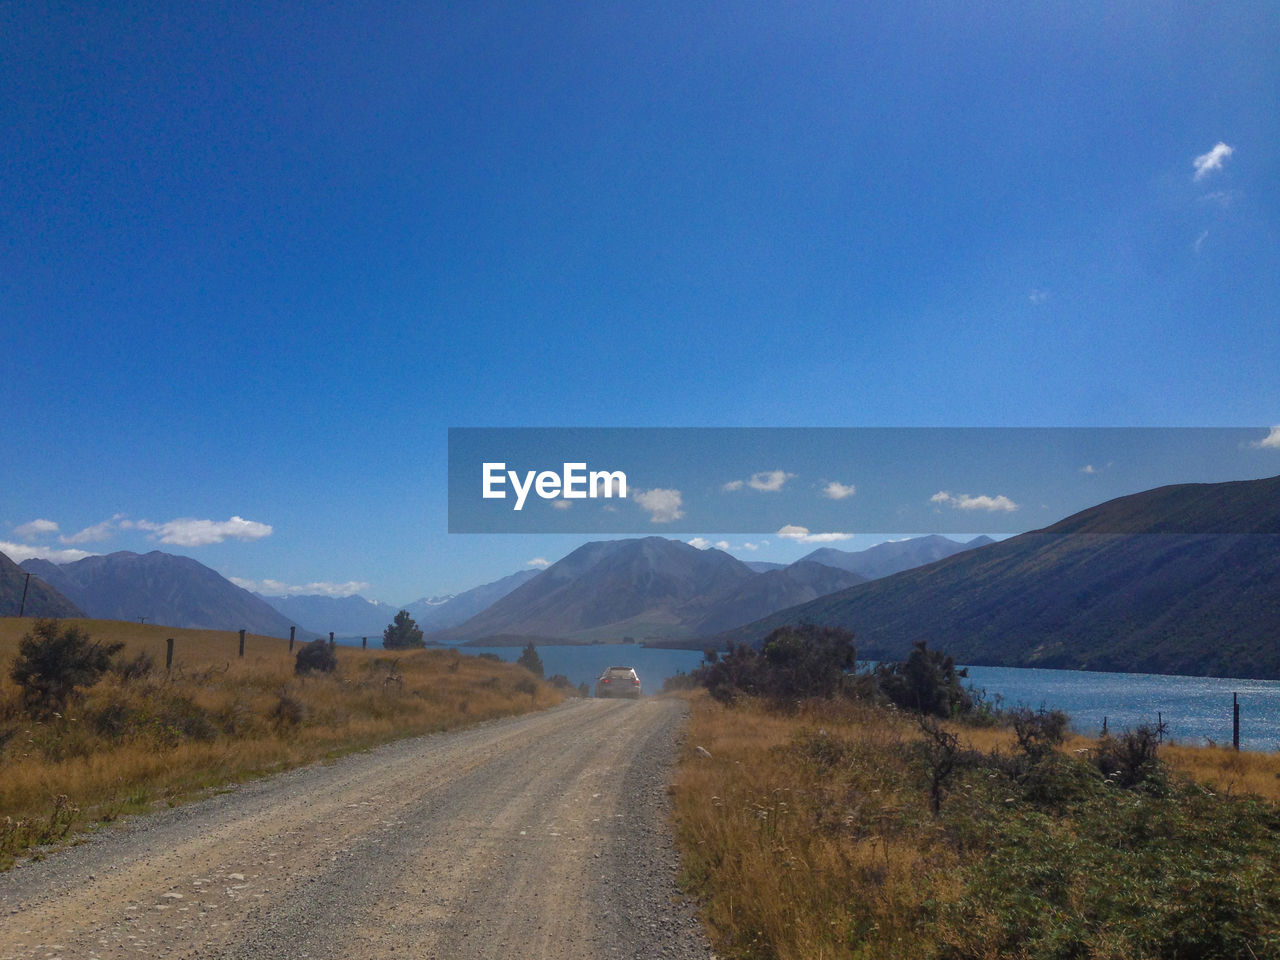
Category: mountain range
<point>162,588</point>
<point>642,589</point>
<point>893,556</point>
<point>439,613</point>
<point>355,616</point>
<point>352,616</point>
<point>1180,579</point>
<point>42,598</point>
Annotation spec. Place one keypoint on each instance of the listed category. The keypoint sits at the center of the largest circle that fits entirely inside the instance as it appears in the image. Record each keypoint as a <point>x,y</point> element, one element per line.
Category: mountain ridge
<point>164,588</point>
<point>1178,579</point>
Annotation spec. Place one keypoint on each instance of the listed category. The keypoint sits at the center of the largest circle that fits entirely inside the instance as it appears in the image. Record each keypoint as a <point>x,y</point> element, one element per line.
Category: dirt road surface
<point>536,836</point>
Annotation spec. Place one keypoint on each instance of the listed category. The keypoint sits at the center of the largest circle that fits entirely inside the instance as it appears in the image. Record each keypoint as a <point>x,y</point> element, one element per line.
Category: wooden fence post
<point>168,653</point>
<point>331,638</point>
<point>292,630</point>
<point>364,643</point>
<point>1235,721</point>
<point>242,642</point>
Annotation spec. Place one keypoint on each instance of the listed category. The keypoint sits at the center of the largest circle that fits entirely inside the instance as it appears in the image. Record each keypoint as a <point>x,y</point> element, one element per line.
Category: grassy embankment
<point>812,836</point>
<point>216,718</point>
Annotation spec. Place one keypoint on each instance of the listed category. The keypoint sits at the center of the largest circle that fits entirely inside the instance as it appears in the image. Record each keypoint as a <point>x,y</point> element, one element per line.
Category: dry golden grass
<point>791,860</point>
<point>1226,771</point>
<point>216,718</point>
<point>808,836</point>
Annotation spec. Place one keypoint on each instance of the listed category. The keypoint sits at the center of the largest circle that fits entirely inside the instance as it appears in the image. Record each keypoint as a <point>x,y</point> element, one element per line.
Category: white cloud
<point>769,481</point>
<point>17,552</point>
<point>1207,163</point>
<point>966,502</point>
<point>1270,442</point>
<point>749,546</point>
<point>702,543</point>
<point>539,562</point>
<point>802,535</point>
<point>324,588</point>
<point>190,532</point>
<point>838,491</point>
<point>1088,468</point>
<point>766,481</point>
<point>1204,235</point>
<point>561,504</point>
<point>34,529</point>
<point>663,505</point>
<point>1038,297</point>
<point>96,533</point>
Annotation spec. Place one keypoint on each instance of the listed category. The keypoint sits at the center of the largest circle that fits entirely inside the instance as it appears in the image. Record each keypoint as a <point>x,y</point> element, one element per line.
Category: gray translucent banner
<point>837,481</point>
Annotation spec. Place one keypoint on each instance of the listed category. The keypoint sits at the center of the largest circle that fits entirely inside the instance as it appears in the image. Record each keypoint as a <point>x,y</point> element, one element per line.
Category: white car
<point>618,682</point>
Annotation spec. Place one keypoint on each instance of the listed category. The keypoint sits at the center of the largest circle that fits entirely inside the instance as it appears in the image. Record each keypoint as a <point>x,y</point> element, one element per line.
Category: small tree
<point>53,663</point>
<point>793,663</point>
<point>530,660</point>
<point>316,656</point>
<point>402,633</point>
<point>927,683</point>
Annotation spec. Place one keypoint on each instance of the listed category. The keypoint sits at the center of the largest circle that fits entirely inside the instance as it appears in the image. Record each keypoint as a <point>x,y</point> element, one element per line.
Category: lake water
<point>1196,709</point>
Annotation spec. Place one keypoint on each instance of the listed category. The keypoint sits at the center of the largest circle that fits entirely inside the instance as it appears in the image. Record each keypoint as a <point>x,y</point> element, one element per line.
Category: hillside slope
<point>163,588</point>
<point>1181,579</point>
<point>43,599</point>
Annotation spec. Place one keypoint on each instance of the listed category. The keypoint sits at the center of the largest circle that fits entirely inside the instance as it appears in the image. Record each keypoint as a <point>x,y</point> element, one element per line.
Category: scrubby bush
<point>1130,759</point>
<point>928,682</point>
<point>527,685</point>
<point>136,667</point>
<point>288,710</point>
<point>1038,732</point>
<point>793,663</point>
<point>681,681</point>
<point>318,656</point>
<point>53,665</point>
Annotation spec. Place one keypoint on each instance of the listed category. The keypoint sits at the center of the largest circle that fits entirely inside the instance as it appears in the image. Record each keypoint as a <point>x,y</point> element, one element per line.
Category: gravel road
<point>535,836</point>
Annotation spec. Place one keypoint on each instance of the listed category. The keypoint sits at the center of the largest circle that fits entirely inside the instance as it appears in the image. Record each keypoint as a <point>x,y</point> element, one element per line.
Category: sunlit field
<point>143,734</point>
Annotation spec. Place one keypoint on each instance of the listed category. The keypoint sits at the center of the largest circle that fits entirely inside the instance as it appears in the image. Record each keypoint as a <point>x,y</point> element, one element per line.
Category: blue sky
<point>257,259</point>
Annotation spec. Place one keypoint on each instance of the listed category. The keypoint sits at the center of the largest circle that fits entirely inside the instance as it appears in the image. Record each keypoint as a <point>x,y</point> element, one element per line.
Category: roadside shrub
<point>317,656</point>
<point>561,682</point>
<point>135,668</point>
<point>288,710</point>
<point>527,685</point>
<point>818,748</point>
<point>793,663</point>
<point>114,719</point>
<point>928,682</point>
<point>52,665</point>
<point>1038,732</point>
<point>940,755</point>
<point>681,681</point>
<point>1130,759</point>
